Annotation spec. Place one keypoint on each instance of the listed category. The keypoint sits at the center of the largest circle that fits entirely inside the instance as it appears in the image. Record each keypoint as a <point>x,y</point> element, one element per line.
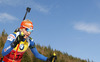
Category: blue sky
<point>71,26</point>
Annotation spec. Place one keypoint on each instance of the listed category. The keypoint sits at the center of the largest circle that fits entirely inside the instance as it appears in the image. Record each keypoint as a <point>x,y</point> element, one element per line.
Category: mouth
<point>27,35</point>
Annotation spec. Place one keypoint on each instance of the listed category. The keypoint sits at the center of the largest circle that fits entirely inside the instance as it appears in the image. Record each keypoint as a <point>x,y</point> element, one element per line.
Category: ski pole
<point>54,58</point>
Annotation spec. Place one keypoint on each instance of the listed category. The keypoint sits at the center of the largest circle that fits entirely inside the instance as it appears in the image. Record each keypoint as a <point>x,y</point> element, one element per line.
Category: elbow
<point>3,53</point>
<point>36,55</point>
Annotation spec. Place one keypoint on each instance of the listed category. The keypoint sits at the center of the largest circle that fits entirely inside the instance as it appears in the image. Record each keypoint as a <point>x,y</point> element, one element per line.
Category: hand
<point>17,40</point>
<point>52,59</point>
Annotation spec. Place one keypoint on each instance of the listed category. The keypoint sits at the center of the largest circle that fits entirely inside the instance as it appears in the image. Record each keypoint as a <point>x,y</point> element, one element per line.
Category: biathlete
<point>18,42</point>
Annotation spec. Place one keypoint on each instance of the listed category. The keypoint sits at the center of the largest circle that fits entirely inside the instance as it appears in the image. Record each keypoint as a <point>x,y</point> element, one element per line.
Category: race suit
<point>10,54</point>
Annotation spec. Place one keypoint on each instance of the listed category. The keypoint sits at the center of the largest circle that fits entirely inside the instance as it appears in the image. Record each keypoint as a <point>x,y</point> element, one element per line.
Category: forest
<point>46,51</point>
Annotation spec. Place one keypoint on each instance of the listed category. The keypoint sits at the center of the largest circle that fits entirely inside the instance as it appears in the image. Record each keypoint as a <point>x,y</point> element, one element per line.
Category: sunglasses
<point>29,30</point>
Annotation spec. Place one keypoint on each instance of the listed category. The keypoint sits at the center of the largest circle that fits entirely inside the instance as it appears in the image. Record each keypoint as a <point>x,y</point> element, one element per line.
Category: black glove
<point>52,58</point>
<point>17,41</point>
<point>1,59</point>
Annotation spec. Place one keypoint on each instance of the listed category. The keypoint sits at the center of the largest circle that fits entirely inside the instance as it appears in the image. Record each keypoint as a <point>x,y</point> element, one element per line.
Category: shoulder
<point>11,37</point>
<point>17,33</point>
<point>32,43</point>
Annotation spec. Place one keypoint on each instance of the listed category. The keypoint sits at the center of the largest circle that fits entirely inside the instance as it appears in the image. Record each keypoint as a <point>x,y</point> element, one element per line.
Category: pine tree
<point>26,58</point>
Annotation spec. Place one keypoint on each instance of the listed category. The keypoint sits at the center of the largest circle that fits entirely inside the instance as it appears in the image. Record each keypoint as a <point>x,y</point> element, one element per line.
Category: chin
<point>26,36</point>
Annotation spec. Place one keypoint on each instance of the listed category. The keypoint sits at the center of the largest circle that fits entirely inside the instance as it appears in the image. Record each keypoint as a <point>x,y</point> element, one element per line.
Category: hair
<point>27,20</point>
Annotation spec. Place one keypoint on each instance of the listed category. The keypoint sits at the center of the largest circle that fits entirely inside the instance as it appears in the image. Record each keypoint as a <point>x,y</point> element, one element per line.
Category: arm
<point>7,47</point>
<point>38,55</point>
<point>35,52</point>
<point>12,41</point>
<point>41,57</point>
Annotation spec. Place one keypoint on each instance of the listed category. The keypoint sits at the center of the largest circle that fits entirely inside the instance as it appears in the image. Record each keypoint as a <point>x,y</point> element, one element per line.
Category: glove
<point>17,41</point>
<point>1,59</point>
<point>52,58</point>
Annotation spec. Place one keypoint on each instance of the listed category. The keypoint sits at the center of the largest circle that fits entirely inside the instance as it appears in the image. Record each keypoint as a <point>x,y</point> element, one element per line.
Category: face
<point>26,32</point>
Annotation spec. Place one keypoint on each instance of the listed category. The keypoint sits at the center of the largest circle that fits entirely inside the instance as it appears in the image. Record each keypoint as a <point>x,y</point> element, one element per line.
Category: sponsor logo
<point>21,47</point>
<point>10,37</point>
<point>7,48</point>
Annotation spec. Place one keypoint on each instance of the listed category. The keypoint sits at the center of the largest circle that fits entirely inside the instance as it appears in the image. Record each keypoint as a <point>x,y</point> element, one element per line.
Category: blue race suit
<point>10,54</point>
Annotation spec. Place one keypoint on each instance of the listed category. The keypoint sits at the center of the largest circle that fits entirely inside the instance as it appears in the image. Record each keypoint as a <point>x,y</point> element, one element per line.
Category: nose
<point>29,33</point>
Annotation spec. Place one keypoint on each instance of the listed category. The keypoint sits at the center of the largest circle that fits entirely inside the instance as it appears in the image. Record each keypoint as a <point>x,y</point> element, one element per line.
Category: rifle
<point>27,11</point>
